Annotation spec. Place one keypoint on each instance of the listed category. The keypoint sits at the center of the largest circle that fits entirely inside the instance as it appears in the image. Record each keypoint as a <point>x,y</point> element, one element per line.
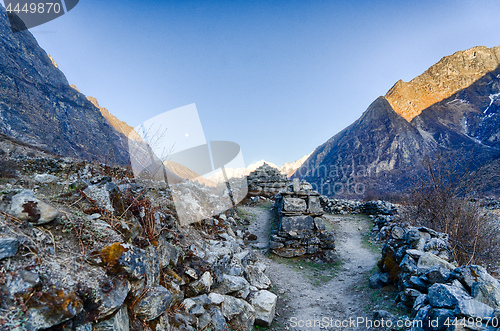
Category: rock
<point>397,233</point>
<point>446,296</point>
<point>231,284</point>
<point>264,303</point>
<point>218,320</point>
<point>201,286</point>
<point>216,298</point>
<point>8,247</point>
<point>408,265</point>
<point>438,318</point>
<point>113,299</point>
<point>51,308</point>
<point>153,302</point>
<point>420,302</point>
<point>101,195</point>
<point>163,323</point>
<point>297,223</point>
<point>152,267</point>
<point>487,292</point>
<point>379,280</point>
<point>294,205</point>
<point>473,308</point>
<point>21,282</point>
<point>417,283</point>
<point>319,223</point>
<point>313,205</point>
<point>414,253</point>
<point>437,274</point>
<point>26,207</point>
<point>239,313</point>
<point>428,260</point>
<point>468,275</point>
<point>257,278</point>
<point>275,245</point>
<point>45,178</point>
<point>119,322</point>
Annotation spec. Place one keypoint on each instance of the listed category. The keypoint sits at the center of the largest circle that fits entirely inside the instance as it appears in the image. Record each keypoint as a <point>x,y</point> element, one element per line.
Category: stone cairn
<point>301,230</point>
<point>266,180</point>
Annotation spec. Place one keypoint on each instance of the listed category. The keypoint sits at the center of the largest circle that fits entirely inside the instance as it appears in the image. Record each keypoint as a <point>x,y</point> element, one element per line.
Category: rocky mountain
<point>453,107</point>
<point>39,107</point>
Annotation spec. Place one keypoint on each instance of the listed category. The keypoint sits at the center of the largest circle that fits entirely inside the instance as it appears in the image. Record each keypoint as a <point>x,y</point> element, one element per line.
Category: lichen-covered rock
<point>152,303</point>
<point>25,206</point>
<point>51,308</point>
<point>264,303</point>
<point>473,308</point>
<point>8,247</point>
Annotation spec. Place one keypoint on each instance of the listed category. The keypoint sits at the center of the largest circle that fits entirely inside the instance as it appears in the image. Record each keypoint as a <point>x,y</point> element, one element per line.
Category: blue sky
<point>277,77</point>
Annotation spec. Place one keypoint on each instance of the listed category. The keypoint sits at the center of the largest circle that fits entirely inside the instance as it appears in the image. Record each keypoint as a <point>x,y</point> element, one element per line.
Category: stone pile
<point>440,295</point>
<point>301,229</point>
<point>101,255</point>
<point>266,180</point>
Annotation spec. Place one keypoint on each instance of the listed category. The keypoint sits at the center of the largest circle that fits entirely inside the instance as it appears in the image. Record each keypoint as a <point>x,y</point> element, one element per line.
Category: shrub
<point>441,200</point>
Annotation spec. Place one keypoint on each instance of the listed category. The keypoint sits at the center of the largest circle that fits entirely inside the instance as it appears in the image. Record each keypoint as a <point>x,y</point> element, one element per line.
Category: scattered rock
<point>8,247</point>
<point>264,303</point>
<point>26,207</point>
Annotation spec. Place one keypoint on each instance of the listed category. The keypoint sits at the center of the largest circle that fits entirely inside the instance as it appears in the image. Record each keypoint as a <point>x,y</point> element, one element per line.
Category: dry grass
<point>441,201</point>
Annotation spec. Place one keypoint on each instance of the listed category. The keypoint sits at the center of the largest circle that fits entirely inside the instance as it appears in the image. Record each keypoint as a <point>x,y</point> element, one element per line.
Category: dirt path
<point>311,293</point>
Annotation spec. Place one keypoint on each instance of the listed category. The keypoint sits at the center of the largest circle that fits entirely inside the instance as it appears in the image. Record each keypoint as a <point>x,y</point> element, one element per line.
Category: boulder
<point>428,260</point>
<point>26,207</point>
<point>264,303</point>
<point>152,303</point>
<point>230,284</point>
<point>239,313</point>
<point>446,296</point>
<point>257,278</point>
<point>487,292</point>
<point>8,247</point>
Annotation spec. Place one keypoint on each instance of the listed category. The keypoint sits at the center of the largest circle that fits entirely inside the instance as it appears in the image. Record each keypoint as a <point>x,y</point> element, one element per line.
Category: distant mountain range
<point>454,107</point>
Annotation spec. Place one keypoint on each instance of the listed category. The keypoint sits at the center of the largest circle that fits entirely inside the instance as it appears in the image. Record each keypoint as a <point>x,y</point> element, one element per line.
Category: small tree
<point>442,200</point>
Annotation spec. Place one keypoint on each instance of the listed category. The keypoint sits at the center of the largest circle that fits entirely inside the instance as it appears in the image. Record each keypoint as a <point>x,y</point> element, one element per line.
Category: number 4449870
<point>32,8</point>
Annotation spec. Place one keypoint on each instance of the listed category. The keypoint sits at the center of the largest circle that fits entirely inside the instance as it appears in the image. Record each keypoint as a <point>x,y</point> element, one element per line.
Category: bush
<point>441,200</point>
